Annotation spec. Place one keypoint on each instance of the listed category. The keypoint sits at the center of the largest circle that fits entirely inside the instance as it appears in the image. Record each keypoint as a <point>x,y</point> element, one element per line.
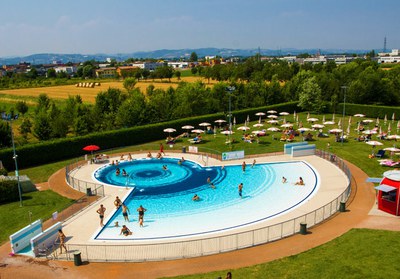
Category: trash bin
<point>183,149</point>
<point>77,259</point>
<point>303,228</point>
<point>342,207</point>
<point>88,191</point>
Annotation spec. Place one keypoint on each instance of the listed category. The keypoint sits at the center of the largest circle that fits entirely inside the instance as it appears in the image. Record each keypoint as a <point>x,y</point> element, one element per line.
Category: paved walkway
<point>357,216</point>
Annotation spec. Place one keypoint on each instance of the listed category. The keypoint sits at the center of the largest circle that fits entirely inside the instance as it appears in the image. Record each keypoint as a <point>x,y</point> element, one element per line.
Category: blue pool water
<point>167,194</point>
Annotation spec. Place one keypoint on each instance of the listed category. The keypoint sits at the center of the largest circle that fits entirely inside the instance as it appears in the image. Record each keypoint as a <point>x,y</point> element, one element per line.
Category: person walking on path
<point>162,149</point>
<point>240,189</point>
<point>61,238</point>
<point>141,211</point>
<point>101,211</point>
<point>125,212</point>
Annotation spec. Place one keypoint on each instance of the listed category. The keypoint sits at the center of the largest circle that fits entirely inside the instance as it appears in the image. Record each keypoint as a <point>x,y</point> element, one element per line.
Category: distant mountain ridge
<point>48,58</point>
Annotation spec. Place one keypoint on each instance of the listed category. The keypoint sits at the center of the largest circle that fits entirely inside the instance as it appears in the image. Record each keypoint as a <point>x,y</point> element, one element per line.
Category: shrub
<point>8,191</point>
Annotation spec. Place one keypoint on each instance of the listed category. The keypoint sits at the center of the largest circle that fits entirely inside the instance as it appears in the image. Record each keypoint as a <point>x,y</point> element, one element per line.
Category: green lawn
<point>360,253</point>
<point>36,205</point>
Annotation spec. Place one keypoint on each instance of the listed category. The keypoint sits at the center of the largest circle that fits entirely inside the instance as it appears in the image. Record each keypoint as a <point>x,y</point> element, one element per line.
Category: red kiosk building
<point>388,195</point>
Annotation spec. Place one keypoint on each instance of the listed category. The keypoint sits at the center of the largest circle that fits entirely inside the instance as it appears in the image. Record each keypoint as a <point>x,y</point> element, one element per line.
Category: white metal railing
<point>217,244</point>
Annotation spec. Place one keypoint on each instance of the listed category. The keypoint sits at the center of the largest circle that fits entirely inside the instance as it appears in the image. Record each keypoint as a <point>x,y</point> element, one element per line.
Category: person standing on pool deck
<point>141,211</point>
<point>244,166</point>
<point>101,211</point>
<point>240,188</point>
<point>162,149</point>
<point>125,211</point>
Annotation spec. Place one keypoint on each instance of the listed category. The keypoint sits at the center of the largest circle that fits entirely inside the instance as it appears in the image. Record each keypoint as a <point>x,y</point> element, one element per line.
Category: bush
<point>3,171</point>
<point>370,110</point>
<point>8,191</point>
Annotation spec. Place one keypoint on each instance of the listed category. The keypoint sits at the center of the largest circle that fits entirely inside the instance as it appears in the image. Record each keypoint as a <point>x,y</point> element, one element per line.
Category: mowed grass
<point>360,253</point>
<point>36,205</point>
<point>89,94</point>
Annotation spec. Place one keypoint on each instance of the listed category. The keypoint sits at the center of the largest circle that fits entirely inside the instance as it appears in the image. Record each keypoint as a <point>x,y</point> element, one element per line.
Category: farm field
<point>88,94</point>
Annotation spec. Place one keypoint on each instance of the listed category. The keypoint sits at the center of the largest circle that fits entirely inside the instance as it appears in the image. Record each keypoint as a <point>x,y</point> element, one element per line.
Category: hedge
<point>8,191</point>
<point>71,147</point>
<point>370,111</point>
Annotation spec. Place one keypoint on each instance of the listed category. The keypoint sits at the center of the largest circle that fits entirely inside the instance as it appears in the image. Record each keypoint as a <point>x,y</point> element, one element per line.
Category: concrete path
<point>357,216</point>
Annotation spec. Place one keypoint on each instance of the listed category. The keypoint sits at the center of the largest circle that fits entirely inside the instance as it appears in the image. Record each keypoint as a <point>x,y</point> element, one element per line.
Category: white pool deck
<point>82,228</point>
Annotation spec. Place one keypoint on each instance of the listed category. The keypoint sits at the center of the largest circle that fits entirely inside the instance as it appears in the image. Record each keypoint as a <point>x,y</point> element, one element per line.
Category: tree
<point>51,73</point>
<point>193,57</point>
<point>88,71</point>
<point>5,134</point>
<point>178,74</point>
<point>43,102</point>
<point>194,70</point>
<point>41,126</point>
<point>129,83</point>
<point>21,107</point>
<point>310,95</point>
<point>25,128</point>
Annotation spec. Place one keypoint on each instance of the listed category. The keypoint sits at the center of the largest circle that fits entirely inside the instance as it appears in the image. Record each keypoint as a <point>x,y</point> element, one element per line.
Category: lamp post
<point>9,118</point>
<point>230,90</point>
<point>344,88</point>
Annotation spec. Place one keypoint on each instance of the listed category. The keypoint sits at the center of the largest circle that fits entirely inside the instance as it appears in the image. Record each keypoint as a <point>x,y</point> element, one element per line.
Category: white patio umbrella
<point>377,121</point>
<point>197,131</point>
<point>333,117</point>
<point>272,121</point>
<point>287,125</point>
<point>340,123</point>
<point>369,132</point>
<point>392,149</point>
<point>312,119</point>
<point>227,132</point>
<point>329,122</point>
<point>204,124</point>
<point>272,111</point>
<point>348,129</point>
<point>284,113</point>
<point>334,131</point>
<point>257,132</point>
<point>317,126</point>
<point>367,121</point>
<point>359,115</point>
<point>323,118</point>
<point>258,125</point>
<point>385,119</point>
<point>243,128</point>
<point>220,121</point>
<point>374,143</point>
<point>272,116</point>
<point>169,131</point>
<point>248,118</point>
<point>273,129</point>
<point>303,129</point>
<point>187,127</point>
<point>393,117</point>
<point>350,119</point>
<point>393,137</point>
<point>234,121</point>
<point>260,113</point>
<point>389,129</point>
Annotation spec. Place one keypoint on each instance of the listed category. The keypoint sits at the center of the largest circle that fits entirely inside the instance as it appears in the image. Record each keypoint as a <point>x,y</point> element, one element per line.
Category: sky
<point>126,26</point>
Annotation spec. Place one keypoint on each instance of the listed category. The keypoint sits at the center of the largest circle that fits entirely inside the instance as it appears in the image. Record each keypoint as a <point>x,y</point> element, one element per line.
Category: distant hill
<point>48,58</point>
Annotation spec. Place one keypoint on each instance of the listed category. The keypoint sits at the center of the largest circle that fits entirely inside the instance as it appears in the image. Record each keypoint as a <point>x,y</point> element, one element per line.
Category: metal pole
<point>230,90</point>
<point>16,165</point>
<point>344,109</point>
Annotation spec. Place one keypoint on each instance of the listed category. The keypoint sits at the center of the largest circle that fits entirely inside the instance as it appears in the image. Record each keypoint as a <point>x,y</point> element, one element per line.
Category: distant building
<point>179,65</point>
<point>392,57</point>
<point>67,69</point>
<point>151,66</point>
<point>109,72</point>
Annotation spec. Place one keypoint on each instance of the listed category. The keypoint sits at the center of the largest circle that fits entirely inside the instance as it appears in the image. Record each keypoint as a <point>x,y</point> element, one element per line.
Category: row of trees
<point>257,84</point>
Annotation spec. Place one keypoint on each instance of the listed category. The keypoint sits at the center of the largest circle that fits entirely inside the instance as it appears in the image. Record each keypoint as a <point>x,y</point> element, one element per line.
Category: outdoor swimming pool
<point>167,196</point>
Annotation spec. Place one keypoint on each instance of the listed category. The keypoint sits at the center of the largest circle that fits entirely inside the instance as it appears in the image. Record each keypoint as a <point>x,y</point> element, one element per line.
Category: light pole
<point>230,90</point>
<point>9,118</point>
<point>344,88</point>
